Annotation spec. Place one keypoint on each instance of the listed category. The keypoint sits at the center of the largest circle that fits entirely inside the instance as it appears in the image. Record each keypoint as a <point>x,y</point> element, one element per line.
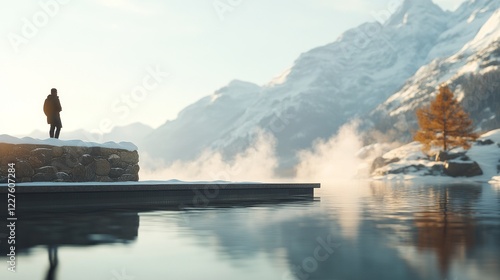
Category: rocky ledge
<point>59,163</point>
<point>482,161</point>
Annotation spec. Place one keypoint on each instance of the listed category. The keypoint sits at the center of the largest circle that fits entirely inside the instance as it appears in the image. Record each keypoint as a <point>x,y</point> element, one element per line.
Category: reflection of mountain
<point>293,232</point>
<point>399,236</point>
<point>240,236</point>
<point>398,227</point>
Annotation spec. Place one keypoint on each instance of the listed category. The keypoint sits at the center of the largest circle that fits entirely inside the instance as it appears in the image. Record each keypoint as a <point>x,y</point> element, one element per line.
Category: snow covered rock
<point>481,162</point>
<point>381,162</point>
<point>408,159</point>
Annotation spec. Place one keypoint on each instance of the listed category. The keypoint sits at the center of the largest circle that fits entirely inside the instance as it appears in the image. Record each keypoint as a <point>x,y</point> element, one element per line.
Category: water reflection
<point>400,232</point>
<point>71,229</point>
<point>53,261</point>
<point>75,229</point>
<point>448,227</point>
<point>392,231</point>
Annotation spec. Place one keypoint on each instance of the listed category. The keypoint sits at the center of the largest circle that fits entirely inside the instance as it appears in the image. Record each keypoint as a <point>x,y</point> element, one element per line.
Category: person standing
<point>51,108</point>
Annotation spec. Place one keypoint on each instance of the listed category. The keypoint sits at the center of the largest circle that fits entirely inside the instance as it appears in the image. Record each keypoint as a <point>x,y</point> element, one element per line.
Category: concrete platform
<point>33,197</point>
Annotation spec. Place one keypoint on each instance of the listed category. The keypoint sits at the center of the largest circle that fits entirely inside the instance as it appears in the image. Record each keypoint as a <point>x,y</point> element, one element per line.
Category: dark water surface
<point>352,231</point>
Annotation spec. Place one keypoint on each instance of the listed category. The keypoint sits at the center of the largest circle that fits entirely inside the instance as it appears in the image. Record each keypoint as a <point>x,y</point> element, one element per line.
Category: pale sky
<point>116,62</point>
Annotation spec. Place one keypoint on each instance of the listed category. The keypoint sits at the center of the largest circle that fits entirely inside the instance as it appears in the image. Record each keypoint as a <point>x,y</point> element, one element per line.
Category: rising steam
<point>333,160</point>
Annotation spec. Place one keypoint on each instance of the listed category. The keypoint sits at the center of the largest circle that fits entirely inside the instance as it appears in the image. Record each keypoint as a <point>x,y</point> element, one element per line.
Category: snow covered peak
<point>407,5</point>
<point>239,83</point>
<point>415,10</point>
<point>238,87</point>
<point>470,5</point>
<point>463,26</point>
<point>489,33</point>
<point>280,79</point>
<point>474,9</point>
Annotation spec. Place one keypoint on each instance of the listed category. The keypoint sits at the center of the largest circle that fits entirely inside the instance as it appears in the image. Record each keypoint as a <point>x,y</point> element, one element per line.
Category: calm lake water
<point>351,231</point>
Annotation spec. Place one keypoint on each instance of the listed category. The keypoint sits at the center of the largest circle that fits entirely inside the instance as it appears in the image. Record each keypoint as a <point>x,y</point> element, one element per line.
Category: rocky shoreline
<point>482,161</point>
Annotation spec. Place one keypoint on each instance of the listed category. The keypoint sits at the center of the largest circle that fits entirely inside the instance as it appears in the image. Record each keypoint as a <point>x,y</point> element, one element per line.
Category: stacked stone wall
<point>44,163</point>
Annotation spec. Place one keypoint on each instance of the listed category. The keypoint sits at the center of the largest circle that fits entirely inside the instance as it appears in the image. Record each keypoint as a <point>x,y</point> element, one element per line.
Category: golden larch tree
<point>444,123</point>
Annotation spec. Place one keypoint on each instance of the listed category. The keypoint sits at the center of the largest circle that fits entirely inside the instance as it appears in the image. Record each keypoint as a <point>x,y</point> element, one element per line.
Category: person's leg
<point>51,131</point>
<point>58,130</point>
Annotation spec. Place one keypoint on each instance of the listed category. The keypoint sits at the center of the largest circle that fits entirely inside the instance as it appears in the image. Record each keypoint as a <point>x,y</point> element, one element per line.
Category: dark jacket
<point>51,108</point>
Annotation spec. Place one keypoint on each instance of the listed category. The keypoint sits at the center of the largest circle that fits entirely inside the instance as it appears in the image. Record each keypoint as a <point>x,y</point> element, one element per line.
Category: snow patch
<point>472,67</point>
<point>488,33</point>
<point>495,180</point>
<point>4,138</point>
<point>280,79</point>
<point>493,135</point>
<point>214,97</point>
<point>412,151</point>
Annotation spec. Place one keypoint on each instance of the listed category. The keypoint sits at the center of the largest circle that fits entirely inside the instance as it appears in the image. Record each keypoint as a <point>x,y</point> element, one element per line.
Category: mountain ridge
<point>326,87</point>
<point>472,73</point>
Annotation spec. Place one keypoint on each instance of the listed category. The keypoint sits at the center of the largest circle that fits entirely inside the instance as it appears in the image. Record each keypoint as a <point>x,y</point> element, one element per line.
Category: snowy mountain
<point>201,124</point>
<point>472,72</point>
<point>369,71</point>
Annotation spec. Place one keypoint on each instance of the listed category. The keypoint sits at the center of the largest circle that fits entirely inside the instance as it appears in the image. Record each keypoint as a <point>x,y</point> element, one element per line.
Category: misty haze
<point>391,107</point>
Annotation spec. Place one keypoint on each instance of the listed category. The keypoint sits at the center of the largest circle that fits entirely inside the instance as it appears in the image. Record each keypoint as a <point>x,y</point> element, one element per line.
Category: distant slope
<point>473,73</point>
<point>134,133</point>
